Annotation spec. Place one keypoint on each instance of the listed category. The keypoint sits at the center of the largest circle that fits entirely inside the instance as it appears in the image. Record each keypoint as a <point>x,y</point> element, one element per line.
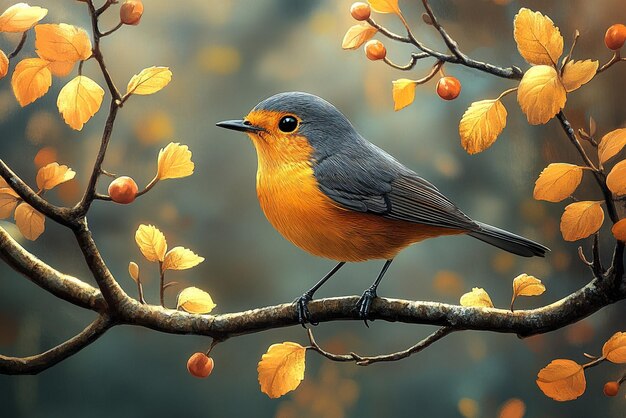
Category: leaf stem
<point>19,46</point>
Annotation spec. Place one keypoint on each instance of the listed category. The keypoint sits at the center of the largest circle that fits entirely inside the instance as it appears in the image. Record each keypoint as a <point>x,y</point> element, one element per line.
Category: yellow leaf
<point>174,161</point>
<point>538,40</point>
<point>281,369</point>
<point>581,219</point>
<point>477,297</point>
<point>52,175</point>
<point>8,202</point>
<point>179,258</point>
<point>562,380</point>
<point>20,17</point>
<point>557,181</point>
<point>611,144</point>
<point>151,242</point>
<point>513,408</point>
<point>357,35</point>
<point>30,222</point>
<point>541,94</point>
<point>481,124</point>
<point>61,68</point>
<point>194,300</point>
<point>525,285</point>
<point>79,100</point>
<point>403,93</point>
<point>149,80</point>
<point>385,6</point>
<point>31,80</point>
<point>133,271</point>
<point>619,230</point>
<point>4,64</point>
<point>62,42</point>
<point>577,73</point>
<point>616,180</point>
<point>614,350</point>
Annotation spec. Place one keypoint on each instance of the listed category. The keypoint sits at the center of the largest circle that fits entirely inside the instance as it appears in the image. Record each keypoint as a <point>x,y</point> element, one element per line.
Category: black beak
<point>239,125</point>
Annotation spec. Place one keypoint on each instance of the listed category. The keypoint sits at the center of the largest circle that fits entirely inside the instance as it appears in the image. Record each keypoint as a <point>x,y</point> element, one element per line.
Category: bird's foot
<point>302,308</point>
<point>364,304</point>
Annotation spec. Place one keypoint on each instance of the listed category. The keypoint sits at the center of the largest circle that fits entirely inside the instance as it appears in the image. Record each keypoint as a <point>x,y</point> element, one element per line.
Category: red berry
<point>448,88</point>
<point>360,11</point>
<point>123,190</point>
<point>200,365</point>
<point>611,388</point>
<point>131,12</point>
<point>375,50</point>
<point>615,36</point>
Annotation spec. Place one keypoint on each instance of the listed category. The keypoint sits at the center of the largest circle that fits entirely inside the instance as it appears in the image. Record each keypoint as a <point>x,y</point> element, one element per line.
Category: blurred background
<point>226,56</point>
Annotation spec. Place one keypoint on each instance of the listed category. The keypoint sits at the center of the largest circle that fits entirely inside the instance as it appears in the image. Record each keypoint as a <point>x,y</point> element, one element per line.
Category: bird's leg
<point>364,303</point>
<point>302,302</point>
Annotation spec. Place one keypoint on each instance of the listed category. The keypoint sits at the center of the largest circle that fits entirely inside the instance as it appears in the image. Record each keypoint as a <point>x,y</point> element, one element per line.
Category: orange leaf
<point>385,6</point>
<point>577,73</point>
<point>538,40</point>
<point>52,175</point>
<point>4,64</point>
<point>31,80</point>
<point>525,285</point>
<point>62,42</point>
<point>481,124</point>
<point>557,181</point>
<point>614,350</point>
<point>616,180</point>
<point>403,93</point>
<point>477,297</point>
<point>8,202</point>
<point>20,17</point>
<point>357,35</point>
<point>618,230</point>
<point>581,219</point>
<point>281,369</point>
<point>30,222</point>
<point>611,144</point>
<point>541,94</point>
<point>79,100</point>
<point>562,380</point>
<point>513,408</point>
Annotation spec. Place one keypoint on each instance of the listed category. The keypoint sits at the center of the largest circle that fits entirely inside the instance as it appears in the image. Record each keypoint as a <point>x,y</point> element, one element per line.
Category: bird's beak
<point>239,125</point>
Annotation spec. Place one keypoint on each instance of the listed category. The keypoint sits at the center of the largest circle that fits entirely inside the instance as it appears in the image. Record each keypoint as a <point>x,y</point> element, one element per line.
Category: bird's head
<point>294,126</point>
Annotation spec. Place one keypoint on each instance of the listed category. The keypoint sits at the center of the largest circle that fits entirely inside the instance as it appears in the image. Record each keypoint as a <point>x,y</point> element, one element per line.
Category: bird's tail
<point>508,241</point>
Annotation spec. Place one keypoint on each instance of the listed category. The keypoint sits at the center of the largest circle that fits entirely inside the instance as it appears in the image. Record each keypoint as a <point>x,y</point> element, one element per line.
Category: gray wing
<point>364,178</point>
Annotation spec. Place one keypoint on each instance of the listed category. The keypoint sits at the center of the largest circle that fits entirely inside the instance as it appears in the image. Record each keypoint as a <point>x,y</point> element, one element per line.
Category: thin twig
<point>416,56</point>
<point>614,59</point>
<point>19,46</point>
<point>107,33</point>
<point>452,45</point>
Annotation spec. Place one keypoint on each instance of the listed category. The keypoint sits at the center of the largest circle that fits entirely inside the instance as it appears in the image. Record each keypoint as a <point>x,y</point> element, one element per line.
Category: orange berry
<point>200,365</point>
<point>375,50</point>
<point>448,88</point>
<point>360,11</point>
<point>123,190</point>
<point>611,388</point>
<point>131,12</point>
<point>615,36</point>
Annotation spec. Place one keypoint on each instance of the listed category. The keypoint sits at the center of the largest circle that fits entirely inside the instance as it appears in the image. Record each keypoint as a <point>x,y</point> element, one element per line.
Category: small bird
<point>336,195</point>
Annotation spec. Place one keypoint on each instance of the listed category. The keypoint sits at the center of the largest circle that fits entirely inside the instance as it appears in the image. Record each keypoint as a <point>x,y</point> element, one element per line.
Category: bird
<point>334,194</point>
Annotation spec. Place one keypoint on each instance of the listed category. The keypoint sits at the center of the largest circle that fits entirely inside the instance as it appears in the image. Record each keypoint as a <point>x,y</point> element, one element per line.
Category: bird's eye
<point>288,124</point>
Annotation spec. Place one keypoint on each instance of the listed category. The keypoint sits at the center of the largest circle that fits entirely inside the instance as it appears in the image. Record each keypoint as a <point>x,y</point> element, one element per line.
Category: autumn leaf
<point>133,271</point>
<point>4,64</point>
<point>562,380</point>
<point>61,68</point>
<point>174,161</point>
<point>538,40</point>
<point>581,219</point>
<point>513,408</point>
<point>357,35</point>
<point>616,180</point>
<point>403,93</point>
<point>557,181</point>
<point>79,100</point>
<point>385,6</point>
<point>577,73</point>
<point>62,42</point>
<point>611,144</point>
<point>477,297</point>
<point>8,202</point>
<point>614,350</point>
<point>618,230</point>
<point>151,242</point>
<point>20,17</point>
<point>525,285</point>
<point>149,80</point>
<point>481,124</point>
<point>31,80</point>
<point>30,222</point>
<point>52,175</point>
<point>194,300</point>
<point>281,369</point>
<point>541,94</point>
<point>179,258</point>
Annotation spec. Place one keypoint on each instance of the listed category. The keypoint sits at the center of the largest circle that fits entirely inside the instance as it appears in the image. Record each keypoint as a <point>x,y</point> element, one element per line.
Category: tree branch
<point>19,46</point>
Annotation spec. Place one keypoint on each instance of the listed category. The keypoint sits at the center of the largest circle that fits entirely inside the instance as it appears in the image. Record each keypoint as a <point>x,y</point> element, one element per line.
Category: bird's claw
<point>302,309</point>
<point>364,304</point>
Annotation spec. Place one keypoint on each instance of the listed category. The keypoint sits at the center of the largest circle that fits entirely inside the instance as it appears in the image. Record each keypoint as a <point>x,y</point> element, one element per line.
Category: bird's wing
<point>364,178</point>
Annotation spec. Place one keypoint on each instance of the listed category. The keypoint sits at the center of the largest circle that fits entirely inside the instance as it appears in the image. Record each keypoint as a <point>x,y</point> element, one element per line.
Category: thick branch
<point>40,362</point>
